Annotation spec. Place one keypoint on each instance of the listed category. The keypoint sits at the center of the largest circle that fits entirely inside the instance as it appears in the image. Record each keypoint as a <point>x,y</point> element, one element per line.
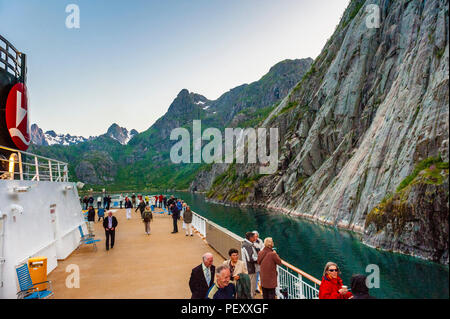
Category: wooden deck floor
<point>140,266</point>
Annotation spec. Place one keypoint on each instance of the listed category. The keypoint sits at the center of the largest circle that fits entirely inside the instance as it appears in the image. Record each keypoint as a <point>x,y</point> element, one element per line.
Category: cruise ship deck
<point>157,266</point>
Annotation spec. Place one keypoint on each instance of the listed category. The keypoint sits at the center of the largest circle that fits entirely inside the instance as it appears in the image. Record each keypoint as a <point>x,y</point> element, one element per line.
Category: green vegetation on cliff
<point>395,209</point>
<point>145,161</point>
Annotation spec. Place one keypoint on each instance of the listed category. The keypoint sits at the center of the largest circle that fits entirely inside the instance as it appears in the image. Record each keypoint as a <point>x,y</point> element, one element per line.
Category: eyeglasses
<point>333,270</point>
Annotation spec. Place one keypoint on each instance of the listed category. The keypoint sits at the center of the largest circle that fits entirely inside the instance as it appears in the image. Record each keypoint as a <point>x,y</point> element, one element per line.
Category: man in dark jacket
<point>110,224</point>
<point>105,202</point>
<point>359,287</point>
<point>85,202</point>
<point>108,203</point>
<point>91,201</point>
<point>141,207</point>
<point>170,201</point>
<point>133,200</point>
<point>202,277</point>
<point>175,216</point>
<point>91,220</point>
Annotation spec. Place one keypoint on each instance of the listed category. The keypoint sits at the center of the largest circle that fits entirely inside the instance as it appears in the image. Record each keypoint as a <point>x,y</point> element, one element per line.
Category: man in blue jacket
<point>223,288</point>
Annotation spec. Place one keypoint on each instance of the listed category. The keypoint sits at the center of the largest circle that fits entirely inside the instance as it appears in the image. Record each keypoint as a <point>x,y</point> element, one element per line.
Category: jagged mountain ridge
<point>258,95</point>
<point>370,111</point>
<point>38,137</point>
<point>145,162</point>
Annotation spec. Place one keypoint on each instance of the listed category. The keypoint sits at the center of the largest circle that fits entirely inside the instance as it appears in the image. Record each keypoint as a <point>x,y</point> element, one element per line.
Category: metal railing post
<point>20,166</point>
<point>65,173</point>
<point>300,286</point>
<point>36,163</point>
<point>23,67</point>
<point>59,173</point>
<point>50,170</point>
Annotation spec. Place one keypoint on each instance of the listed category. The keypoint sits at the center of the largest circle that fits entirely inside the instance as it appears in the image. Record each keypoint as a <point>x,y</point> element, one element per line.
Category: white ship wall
<point>33,230</point>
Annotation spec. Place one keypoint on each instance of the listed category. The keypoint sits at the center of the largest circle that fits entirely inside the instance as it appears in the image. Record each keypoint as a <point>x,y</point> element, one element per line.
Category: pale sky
<point>129,59</point>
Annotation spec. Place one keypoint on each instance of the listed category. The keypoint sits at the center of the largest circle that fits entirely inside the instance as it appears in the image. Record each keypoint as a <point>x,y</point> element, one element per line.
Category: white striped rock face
<point>374,105</point>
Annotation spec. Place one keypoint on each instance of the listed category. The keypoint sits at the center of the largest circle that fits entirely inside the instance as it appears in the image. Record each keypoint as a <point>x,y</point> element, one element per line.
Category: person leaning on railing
<point>268,260</point>
<point>331,286</point>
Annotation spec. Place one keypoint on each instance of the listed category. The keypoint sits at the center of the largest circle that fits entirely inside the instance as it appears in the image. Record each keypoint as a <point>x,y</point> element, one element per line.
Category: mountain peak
<point>290,66</point>
<point>183,93</point>
<point>120,134</point>
<point>113,128</point>
<point>38,137</point>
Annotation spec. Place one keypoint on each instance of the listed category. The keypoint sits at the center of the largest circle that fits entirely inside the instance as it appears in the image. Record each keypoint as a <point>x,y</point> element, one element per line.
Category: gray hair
<point>205,256</point>
<point>268,242</point>
<point>220,268</point>
<point>255,232</point>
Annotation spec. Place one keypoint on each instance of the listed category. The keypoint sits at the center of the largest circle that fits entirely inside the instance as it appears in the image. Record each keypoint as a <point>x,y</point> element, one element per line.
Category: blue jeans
<point>257,280</point>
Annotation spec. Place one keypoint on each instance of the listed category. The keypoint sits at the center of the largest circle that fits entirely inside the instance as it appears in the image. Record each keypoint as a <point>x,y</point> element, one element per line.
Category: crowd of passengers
<point>247,273</point>
<point>256,272</point>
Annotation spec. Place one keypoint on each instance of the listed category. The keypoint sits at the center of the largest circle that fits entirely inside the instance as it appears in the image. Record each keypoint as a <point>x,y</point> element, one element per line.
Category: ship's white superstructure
<point>40,215</point>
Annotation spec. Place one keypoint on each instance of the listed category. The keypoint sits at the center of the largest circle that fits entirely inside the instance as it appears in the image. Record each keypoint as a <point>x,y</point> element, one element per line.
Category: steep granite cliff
<point>373,105</point>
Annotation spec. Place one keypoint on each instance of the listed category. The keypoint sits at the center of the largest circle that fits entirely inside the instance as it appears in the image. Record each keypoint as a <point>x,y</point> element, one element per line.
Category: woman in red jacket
<point>331,285</point>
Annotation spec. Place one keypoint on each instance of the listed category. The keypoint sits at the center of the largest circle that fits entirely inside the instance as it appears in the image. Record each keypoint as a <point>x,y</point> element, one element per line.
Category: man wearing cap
<point>110,224</point>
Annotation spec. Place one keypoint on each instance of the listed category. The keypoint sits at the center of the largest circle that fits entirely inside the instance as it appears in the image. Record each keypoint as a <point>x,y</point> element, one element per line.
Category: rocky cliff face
<point>271,88</point>
<point>142,160</point>
<point>37,135</point>
<point>120,134</point>
<point>373,105</point>
<point>414,220</point>
<point>96,167</point>
<point>238,104</point>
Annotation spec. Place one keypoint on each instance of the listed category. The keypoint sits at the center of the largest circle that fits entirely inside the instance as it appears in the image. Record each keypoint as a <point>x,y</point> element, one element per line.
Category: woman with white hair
<point>268,260</point>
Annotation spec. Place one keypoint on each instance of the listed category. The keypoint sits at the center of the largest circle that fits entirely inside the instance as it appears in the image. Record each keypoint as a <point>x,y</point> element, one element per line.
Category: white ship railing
<point>24,166</point>
<point>199,223</point>
<point>293,283</point>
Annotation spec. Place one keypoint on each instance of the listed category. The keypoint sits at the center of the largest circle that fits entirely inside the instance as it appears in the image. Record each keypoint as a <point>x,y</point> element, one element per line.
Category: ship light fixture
<point>12,161</point>
<point>68,187</point>
<point>21,189</point>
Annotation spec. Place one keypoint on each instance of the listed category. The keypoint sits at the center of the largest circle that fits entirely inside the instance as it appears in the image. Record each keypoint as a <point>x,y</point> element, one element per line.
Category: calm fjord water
<point>309,246</point>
